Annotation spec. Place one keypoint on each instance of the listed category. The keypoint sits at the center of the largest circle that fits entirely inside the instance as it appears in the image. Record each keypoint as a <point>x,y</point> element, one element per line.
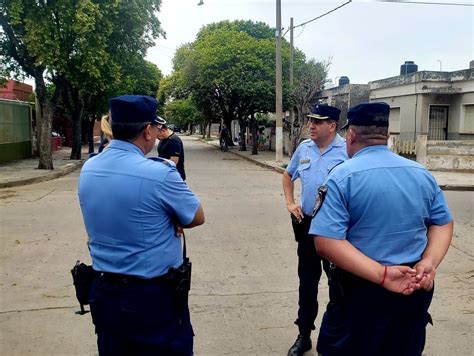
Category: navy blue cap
<point>134,109</point>
<point>324,112</point>
<point>368,114</point>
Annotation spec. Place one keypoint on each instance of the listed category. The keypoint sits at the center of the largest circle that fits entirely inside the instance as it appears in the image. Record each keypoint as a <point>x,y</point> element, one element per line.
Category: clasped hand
<point>405,280</point>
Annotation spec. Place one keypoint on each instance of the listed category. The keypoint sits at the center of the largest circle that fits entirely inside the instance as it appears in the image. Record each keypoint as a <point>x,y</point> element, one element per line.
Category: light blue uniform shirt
<point>382,204</point>
<point>128,204</point>
<point>312,167</point>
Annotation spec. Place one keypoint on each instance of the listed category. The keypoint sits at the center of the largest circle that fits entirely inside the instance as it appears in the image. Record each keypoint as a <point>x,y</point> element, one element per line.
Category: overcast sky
<point>366,40</point>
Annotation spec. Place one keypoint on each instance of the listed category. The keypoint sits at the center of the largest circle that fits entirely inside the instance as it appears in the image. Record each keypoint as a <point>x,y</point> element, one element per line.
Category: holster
<point>337,280</point>
<point>180,280</point>
<point>82,276</point>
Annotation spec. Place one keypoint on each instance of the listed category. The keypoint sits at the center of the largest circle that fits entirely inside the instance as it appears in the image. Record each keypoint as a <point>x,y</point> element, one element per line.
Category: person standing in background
<point>171,147</point>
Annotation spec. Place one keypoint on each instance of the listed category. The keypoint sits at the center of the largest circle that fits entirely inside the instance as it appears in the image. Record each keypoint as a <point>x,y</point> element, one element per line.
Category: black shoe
<point>301,345</point>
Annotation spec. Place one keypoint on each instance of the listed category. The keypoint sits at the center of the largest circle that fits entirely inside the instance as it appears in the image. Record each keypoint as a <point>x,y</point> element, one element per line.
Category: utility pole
<point>278,88</point>
<point>292,111</point>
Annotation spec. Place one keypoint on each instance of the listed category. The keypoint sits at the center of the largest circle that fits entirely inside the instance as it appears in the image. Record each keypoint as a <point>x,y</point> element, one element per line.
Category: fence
<point>405,147</point>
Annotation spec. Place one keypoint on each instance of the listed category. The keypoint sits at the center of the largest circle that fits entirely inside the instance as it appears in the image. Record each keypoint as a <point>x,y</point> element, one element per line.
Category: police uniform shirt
<point>382,204</point>
<point>128,204</point>
<point>312,167</point>
<point>173,146</point>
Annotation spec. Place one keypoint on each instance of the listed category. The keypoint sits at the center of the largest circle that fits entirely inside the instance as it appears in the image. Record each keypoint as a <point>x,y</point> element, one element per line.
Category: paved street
<point>244,288</point>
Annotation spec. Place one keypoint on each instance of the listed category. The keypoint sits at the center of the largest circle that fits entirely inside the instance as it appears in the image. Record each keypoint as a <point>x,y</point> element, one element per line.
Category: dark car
<point>174,127</point>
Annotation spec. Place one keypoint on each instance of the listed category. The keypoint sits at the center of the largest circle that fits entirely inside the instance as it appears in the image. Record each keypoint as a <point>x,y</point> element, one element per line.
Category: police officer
<point>132,208</point>
<point>312,161</point>
<point>386,227</point>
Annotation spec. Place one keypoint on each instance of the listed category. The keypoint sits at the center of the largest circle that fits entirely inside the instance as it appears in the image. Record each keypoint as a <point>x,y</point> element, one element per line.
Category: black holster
<point>82,276</point>
<point>180,280</point>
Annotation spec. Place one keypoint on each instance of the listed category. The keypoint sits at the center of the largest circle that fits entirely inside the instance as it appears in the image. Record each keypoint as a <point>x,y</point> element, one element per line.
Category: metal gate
<point>438,122</point>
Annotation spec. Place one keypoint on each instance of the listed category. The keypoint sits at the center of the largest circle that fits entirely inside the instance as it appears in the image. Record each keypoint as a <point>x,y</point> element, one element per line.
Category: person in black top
<point>171,147</point>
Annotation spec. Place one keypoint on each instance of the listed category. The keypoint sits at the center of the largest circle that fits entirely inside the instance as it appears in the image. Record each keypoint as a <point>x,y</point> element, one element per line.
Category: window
<point>394,120</point>
<point>467,119</point>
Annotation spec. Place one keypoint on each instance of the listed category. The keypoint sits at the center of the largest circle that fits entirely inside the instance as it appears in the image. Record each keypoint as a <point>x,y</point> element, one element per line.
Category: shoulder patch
<point>322,191</point>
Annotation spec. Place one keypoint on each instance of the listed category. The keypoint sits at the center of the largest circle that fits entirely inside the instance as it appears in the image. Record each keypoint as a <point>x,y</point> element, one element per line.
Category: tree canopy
<point>87,48</point>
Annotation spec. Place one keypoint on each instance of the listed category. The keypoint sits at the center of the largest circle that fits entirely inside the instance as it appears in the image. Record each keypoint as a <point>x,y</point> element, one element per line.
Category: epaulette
<point>163,160</point>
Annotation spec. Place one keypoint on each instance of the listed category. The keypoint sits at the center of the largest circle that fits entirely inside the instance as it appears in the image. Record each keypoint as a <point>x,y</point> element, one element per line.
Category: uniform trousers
<point>363,318</point>
<point>136,318</point>
<point>309,273</point>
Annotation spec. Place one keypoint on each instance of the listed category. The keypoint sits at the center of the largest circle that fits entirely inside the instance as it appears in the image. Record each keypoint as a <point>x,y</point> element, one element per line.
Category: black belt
<point>117,278</point>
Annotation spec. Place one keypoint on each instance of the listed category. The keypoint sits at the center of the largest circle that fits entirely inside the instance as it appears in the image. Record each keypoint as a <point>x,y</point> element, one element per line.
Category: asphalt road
<point>244,289</point>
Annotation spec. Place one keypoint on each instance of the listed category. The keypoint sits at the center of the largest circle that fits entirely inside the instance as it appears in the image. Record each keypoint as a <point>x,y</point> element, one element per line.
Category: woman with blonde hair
<point>106,128</point>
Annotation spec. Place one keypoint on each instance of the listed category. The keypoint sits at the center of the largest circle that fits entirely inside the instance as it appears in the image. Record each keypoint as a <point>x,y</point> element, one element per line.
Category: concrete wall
<point>446,155</point>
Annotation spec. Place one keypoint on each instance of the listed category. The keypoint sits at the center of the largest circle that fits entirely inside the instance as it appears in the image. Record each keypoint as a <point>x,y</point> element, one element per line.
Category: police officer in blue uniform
<point>133,209</point>
<point>386,227</point>
<point>312,161</point>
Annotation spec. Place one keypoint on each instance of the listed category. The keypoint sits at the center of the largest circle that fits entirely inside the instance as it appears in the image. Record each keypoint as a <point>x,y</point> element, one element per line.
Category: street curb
<point>250,159</point>
<point>68,168</point>
<point>458,188</point>
<point>445,187</point>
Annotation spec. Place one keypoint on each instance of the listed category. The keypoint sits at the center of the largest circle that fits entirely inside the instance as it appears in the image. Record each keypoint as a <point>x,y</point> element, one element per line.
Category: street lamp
<point>440,65</point>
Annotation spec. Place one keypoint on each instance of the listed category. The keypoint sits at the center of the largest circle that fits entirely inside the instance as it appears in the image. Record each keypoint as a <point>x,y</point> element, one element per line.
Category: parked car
<point>174,127</point>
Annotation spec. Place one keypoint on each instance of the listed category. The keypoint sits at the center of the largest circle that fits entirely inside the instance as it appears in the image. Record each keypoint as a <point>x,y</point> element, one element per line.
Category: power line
<point>425,2</point>
<point>327,13</point>
<point>394,1</point>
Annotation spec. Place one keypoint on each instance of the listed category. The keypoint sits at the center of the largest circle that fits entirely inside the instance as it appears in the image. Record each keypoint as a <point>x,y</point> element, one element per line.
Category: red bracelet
<point>384,275</point>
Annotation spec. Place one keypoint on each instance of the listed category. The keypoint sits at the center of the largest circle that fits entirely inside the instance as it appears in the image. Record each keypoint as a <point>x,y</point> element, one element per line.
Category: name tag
<point>303,161</point>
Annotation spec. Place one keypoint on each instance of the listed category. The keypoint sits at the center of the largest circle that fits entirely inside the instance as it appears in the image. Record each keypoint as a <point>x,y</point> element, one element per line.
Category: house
<point>14,90</point>
<point>437,104</point>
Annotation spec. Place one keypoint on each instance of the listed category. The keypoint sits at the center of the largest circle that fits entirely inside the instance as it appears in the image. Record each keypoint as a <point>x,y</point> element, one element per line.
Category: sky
<point>364,40</point>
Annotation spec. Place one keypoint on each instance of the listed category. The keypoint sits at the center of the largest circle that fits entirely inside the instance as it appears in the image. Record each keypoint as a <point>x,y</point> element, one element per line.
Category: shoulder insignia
<point>322,191</point>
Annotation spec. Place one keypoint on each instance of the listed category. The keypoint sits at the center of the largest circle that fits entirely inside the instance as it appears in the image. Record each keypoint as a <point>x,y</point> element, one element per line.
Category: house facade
<point>437,104</point>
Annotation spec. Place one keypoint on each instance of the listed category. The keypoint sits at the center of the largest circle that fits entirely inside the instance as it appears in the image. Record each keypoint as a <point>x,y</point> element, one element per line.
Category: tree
<point>310,77</point>
<point>81,46</point>
<point>230,69</point>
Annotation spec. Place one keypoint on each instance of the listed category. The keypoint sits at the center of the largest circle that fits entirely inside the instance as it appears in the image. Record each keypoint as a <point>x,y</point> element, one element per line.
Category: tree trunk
<point>243,126</point>
<point>228,123</point>
<point>253,128</point>
<point>44,119</point>
<point>209,131</point>
<point>76,138</point>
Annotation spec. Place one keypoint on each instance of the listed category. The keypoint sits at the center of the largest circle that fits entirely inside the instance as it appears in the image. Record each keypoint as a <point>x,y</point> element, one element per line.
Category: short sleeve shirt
<point>173,146</point>
<point>130,204</point>
<point>312,167</point>
<point>382,204</point>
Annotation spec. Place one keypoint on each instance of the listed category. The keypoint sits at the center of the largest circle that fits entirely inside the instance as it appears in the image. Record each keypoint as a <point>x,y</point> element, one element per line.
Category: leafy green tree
<point>310,77</point>
<point>81,46</point>
<point>182,112</point>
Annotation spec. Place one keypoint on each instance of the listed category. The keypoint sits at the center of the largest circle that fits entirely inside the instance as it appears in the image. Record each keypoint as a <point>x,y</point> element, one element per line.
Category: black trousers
<point>139,319</point>
<point>310,266</point>
<point>363,318</point>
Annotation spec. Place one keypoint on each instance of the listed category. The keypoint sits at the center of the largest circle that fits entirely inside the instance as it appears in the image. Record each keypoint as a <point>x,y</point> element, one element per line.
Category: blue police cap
<point>324,112</point>
<point>368,114</point>
<point>134,109</point>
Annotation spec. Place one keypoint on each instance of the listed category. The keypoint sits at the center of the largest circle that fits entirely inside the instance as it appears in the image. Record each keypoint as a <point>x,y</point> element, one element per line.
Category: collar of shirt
<point>125,146</point>
<point>369,149</point>
<point>338,141</point>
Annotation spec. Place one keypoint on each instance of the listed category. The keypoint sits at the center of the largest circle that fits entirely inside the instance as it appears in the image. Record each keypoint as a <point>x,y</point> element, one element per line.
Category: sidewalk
<point>446,180</point>
<point>25,171</point>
